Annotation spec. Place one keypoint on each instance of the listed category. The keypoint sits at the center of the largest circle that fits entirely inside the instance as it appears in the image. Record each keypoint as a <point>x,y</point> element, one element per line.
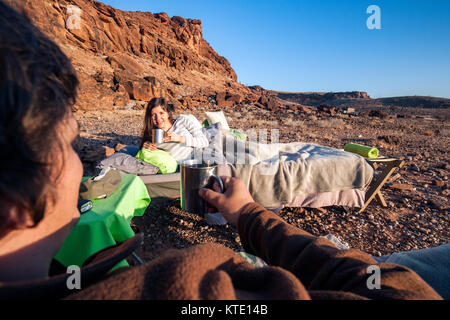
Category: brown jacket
<point>302,266</point>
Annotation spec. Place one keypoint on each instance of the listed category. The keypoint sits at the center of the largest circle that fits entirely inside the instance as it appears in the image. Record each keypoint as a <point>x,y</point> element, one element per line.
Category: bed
<point>278,175</point>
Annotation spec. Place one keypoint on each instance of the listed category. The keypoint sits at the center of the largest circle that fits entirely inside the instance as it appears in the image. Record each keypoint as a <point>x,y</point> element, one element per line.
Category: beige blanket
<point>276,173</point>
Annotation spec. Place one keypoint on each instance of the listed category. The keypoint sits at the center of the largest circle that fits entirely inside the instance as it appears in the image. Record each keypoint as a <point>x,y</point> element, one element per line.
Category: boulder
<point>377,114</point>
<point>325,108</point>
<point>95,153</point>
<point>389,139</point>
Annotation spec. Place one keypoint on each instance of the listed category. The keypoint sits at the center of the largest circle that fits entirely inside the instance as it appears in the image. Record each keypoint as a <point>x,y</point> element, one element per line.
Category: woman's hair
<point>148,123</point>
<point>37,89</point>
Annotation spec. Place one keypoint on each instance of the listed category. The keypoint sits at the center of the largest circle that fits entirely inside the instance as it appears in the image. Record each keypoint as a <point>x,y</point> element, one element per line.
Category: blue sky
<point>325,45</point>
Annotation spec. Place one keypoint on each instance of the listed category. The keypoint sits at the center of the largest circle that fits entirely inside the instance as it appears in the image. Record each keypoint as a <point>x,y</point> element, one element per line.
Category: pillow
<point>214,150</point>
<point>127,164</point>
<point>215,117</point>
<point>160,158</point>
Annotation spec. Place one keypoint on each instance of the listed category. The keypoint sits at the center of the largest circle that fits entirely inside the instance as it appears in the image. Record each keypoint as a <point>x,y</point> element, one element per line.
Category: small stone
<point>398,186</point>
<point>439,183</point>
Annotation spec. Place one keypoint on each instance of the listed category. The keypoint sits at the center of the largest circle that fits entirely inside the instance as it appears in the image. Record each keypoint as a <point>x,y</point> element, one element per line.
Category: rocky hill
<point>360,99</point>
<point>123,59</point>
<point>318,98</point>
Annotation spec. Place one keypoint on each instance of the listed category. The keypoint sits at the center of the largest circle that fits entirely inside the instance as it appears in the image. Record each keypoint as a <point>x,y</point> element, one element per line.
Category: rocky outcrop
<point>321,98</point>
<point>123,56</point>
<point>360,99</point>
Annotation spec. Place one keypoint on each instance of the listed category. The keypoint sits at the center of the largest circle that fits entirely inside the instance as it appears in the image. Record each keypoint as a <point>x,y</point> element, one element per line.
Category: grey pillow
<point>214,151</point>
<point>128,164</point>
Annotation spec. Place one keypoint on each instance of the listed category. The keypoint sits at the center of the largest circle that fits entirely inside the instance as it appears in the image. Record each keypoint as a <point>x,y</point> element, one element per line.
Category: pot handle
<point>222,187</point>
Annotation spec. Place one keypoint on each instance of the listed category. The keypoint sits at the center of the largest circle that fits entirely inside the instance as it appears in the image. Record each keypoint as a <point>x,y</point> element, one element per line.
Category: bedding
<point>127,163</point>
<point>212,152</point>
<point>286,174</point>
<point>276,173</point>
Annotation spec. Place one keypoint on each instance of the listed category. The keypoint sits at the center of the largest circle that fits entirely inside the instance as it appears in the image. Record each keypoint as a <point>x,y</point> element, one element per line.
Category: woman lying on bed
<point>185,129</point>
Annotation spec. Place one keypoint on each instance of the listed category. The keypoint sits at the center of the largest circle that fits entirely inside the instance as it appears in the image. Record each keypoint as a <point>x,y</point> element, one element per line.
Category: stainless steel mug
<point>157,135</point>
<point>195,175</point>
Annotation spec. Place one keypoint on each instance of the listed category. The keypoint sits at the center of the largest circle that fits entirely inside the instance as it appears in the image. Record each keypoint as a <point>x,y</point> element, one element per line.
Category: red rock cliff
<point>125,56</point>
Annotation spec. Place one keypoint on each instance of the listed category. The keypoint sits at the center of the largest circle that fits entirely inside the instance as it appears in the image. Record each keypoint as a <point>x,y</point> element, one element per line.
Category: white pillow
<point>215,117</point>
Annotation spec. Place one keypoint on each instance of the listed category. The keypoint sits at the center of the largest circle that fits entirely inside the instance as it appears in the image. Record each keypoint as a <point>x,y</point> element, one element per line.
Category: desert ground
<point>416,215</point>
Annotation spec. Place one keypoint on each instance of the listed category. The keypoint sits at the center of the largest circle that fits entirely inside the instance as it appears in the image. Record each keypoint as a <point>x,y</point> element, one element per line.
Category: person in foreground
<point>39,187</point>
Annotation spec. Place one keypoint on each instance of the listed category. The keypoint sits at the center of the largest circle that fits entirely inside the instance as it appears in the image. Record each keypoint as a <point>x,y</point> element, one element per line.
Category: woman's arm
<point>197,138</point>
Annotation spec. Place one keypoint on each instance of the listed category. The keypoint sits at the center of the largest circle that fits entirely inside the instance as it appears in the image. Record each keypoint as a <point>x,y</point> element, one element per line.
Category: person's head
<point>40,172</point>
<point>158,115</point>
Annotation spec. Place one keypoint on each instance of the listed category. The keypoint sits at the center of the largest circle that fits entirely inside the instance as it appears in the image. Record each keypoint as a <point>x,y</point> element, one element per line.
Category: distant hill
<point>416,102</point>
<point>360,99</point>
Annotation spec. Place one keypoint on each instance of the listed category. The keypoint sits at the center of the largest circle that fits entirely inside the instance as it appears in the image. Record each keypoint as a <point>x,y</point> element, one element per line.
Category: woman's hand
<point>148,145</point>
<point>232,201</point>
<point>173,137</point>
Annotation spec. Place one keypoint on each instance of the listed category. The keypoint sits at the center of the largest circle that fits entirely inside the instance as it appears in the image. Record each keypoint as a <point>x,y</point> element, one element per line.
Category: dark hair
<point>148,123</point>
<point>37,89</point>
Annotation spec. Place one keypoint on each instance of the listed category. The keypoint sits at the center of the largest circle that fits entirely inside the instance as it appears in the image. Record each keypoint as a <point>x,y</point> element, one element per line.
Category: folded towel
<point>365,151</point>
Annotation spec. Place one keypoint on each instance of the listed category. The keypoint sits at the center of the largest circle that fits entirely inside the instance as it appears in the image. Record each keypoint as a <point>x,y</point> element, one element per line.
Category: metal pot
<point>195,175</point>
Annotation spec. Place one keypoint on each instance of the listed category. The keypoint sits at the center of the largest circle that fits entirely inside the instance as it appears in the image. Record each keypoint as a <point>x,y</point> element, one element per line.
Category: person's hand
<point>173,137</point>
<point>150,146</point>
<point>232,201</point>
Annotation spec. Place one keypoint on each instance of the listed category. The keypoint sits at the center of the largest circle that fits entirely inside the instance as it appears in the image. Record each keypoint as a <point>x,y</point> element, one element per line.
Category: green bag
<point>238,135</point>
<point>365,151</point>
<point>159,158</point>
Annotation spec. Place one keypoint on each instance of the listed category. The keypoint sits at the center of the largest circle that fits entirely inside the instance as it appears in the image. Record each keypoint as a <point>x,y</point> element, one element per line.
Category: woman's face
<point>160,118</point>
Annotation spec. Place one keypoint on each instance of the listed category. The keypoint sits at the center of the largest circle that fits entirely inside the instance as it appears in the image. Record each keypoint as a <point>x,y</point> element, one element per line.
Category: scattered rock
<point>403,187</point>
<point>377,114</point>
<point>327,109</point>
<point>438,204</point>
<point>390,139</point>
<point>439,183</point>
<point>95,153</point>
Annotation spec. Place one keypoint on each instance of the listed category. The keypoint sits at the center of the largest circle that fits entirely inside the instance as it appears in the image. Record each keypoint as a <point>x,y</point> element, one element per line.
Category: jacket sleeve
<point>320,266</point>
<point>198,139</point>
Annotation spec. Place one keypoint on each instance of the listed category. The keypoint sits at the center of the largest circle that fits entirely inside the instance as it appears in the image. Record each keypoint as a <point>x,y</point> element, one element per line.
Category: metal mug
<point>195,175</point>
<point>157,135</point>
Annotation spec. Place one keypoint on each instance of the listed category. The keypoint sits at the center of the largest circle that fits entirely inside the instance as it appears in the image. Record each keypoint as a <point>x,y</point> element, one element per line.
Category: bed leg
<point>377,184</point>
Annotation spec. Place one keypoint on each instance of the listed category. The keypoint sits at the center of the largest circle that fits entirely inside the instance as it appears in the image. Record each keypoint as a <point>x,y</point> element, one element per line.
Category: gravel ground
<point>417,195</point>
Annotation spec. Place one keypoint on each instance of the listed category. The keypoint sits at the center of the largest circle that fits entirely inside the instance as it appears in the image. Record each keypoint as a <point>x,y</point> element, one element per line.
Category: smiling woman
<point>185,129</point>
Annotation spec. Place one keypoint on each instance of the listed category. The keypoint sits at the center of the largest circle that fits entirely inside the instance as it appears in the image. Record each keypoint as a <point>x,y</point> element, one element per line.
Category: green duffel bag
<point>159,158</point>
